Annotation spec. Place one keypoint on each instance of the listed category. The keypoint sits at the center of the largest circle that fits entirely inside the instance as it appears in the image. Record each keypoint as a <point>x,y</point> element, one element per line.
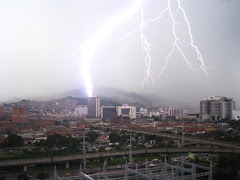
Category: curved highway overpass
<point>65,158</point>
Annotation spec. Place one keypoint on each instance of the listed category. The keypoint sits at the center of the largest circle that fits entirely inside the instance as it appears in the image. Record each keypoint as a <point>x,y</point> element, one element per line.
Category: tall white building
<point>126,111</point>
<point>94,107</point>
<point>216,108</point>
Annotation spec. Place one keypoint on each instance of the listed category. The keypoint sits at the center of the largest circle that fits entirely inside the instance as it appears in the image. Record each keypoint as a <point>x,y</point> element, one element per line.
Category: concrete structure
<point>126,111</point>
<point>67,158</point>
<point>81,110</point>
<point>163,171</point>
<point>19,115</point>
<point>216,108</point>
<point>108,112</point>
<point>94,107</point>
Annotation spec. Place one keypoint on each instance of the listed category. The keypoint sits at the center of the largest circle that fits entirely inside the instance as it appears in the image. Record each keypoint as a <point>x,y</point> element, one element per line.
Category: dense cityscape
<point>119,90</point>
<point>85,126</point>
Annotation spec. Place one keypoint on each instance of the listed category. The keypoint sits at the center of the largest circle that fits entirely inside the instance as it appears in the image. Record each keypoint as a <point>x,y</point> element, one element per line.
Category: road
<point>65,158</point>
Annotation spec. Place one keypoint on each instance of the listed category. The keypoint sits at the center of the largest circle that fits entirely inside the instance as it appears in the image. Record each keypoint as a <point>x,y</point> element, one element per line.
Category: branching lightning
<point>175,46</point>
<point>89,48</point>
<point>147,49</point>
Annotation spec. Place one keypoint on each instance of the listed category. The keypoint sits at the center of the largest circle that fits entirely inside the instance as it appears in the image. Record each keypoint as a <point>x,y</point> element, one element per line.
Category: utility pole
<point>84,152</point>
<point>130,153</point>
<point>183,134</point>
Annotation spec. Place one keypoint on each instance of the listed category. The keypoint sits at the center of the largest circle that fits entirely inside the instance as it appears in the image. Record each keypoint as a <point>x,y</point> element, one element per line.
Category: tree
<point>114,137</point>
<point>91,137</point>
<point>55,140</point>
<point>9,132</point>
<point>227,167</point>
<point>23,177</point>
<point>124,138</point>
<point>42,176</point>
<point>2,178</point>
<point>159,139</point>
<point>14,140</point>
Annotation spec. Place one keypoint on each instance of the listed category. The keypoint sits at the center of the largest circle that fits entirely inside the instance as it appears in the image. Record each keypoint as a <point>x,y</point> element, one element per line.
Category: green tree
<point>159,139</point>
<point>114,137</point>
<point>55,140</point>
<point>91,137</point>
<point>14,140</point>
<point>23,177</point>
<point>118,148</point>
<point>9,132</point>
<point>227,167</point>
<point>2,178</point>
<point>42,176</point>
<point>124,138</point>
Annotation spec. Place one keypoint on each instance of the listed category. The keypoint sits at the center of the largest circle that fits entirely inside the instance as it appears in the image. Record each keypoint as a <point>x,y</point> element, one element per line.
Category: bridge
<point>67,158</point>
<point>173,136</point>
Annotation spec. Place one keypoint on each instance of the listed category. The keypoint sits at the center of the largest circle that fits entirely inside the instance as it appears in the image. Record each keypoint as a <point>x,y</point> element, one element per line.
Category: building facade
<point>81,110</point>
<point>126,111</point>
<point>19,115</point>
<point>94,107</point>
<point>216,108</point>
<point>108,112</point>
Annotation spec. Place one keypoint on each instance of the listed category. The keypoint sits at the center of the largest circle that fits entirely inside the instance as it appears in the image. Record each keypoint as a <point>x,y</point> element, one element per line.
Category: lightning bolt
<point>91,45</point>
<point>147,49</point>
<point>176,45</point>
<point>176,40</point>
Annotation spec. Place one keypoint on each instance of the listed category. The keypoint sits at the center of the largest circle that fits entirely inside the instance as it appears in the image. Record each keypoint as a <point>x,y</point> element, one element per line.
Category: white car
<point>151,165</point>
<point>155,160</point>
<point>174,160</point>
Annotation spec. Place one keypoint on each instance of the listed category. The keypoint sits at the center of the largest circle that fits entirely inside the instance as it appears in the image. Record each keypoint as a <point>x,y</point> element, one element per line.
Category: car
<point>155,160</point>
<point>174,160</point>
<point>130,163</point>
<point>68,174</point>
<point>29,176</point>
<point>151,165</point>
<point>140,162</point>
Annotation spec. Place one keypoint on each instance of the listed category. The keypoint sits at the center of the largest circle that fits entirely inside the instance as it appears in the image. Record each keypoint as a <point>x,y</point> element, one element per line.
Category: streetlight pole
<point>183,134</point>
<point>84,152</point>
<point>130,153</point>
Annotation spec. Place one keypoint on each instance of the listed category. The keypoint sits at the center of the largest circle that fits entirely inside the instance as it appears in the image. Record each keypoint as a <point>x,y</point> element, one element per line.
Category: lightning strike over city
<point>92,44</point>
<point>135,99</point>
<point>95,41</point>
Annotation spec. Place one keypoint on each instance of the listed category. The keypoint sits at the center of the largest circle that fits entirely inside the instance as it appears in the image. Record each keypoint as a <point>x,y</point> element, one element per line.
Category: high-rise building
<point>216,108</point>
<point>20,115</point>
<point>93,107</point>
<point>108,112</point>
<point>126,111</point>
